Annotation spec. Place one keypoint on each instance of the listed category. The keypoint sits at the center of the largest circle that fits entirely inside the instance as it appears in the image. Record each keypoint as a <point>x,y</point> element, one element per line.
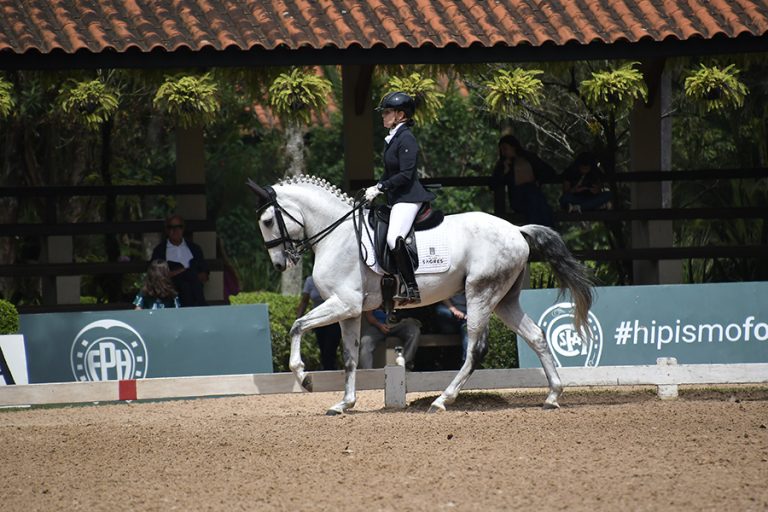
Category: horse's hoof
<point>550,406</point>
<point>307,383</point>
<point>436,408</point>
<point>332,412</point>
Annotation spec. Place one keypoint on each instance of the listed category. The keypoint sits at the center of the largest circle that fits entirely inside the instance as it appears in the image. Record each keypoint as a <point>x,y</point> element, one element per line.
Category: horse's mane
<point>320,183</point>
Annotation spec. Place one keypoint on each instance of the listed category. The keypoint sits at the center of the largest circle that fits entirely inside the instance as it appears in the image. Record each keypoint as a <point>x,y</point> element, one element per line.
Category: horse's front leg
<point>332,310</point>
<point>350,334</point>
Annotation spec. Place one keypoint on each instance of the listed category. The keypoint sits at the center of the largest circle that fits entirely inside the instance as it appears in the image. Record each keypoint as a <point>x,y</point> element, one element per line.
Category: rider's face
<point>389,117</point>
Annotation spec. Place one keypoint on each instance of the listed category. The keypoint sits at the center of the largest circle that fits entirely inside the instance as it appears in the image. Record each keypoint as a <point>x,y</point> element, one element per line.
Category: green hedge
<point>282,314</point>
<point>9,318</point>
<point>502,346</point>
<point>502,352</point>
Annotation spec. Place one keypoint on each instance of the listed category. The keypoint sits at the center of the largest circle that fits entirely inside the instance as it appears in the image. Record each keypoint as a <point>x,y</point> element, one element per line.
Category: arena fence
<point>666,375</point>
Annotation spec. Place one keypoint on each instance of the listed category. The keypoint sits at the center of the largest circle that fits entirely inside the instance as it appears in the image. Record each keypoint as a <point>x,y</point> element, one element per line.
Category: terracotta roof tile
<point>98,25</point>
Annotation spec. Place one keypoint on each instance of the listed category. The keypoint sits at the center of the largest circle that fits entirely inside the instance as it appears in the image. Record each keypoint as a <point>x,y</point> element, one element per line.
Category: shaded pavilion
<point>359,34</point>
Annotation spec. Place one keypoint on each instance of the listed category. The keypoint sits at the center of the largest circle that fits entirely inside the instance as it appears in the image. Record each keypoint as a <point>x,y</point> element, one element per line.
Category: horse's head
<point>282,229</point>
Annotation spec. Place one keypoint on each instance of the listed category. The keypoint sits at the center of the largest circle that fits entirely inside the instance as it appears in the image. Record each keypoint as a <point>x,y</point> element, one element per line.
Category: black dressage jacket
<point>401,178</point>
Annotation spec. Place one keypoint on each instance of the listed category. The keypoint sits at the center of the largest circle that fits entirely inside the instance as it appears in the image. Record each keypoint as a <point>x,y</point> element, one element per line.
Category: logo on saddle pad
<point>108,350</point>
<point>568,346</point>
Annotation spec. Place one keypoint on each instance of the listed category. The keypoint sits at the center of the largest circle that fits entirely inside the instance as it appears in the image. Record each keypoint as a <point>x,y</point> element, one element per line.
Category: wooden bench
<point>385,352</point>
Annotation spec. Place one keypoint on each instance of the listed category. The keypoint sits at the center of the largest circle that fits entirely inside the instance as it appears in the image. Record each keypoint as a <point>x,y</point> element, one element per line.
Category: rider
<point>404,191</point>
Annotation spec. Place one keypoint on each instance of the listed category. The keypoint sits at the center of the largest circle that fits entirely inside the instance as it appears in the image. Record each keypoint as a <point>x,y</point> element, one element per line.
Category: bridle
<point>293,247</point>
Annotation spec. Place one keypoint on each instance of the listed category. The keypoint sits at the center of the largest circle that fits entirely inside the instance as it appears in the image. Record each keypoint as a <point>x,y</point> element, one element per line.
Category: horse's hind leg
<point>512,315</point>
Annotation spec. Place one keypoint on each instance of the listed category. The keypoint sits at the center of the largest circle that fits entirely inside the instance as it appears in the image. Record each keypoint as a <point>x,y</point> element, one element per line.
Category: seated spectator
<point>520,171</point>
<point>375,329</point>
<point>186,261</point>
<point>451,316</point>
<point>328,336</point>
<point>583,186</point>
<point>158,291</point>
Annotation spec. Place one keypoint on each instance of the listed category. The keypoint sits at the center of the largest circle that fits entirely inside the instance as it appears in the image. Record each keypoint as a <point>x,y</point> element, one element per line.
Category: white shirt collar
<point>392,132</point>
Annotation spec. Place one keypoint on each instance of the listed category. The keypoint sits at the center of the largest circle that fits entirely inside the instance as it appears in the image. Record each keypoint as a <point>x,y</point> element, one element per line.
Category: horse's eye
<point>268,223</point>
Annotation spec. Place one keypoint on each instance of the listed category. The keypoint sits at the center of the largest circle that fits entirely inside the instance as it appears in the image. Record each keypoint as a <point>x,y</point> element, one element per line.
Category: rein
<point>295,248</point>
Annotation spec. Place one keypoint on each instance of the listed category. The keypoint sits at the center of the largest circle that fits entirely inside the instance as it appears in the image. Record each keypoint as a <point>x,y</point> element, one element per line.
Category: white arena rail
<point>666,375</point>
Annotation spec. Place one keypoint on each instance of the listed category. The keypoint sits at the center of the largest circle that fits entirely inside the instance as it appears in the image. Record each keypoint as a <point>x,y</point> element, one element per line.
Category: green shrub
<point>282,314</point>
<point>502,346</point>
<point>9,318</point>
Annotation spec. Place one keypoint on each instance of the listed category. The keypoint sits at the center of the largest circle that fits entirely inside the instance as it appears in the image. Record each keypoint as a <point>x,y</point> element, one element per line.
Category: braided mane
<point>320,183</point>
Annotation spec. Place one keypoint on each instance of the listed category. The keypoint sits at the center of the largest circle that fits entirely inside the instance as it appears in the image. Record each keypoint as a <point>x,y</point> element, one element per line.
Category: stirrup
<point>411,296</point>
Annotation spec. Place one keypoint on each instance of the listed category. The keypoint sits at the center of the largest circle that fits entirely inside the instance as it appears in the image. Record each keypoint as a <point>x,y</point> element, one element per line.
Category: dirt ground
<point>604,450</point>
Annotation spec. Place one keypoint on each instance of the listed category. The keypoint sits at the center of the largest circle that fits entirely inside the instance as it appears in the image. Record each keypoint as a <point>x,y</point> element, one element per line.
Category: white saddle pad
<point>433,251</point>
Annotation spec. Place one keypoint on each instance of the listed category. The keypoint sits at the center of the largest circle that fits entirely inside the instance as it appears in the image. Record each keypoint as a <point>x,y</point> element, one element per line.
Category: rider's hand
<point>371,193</point>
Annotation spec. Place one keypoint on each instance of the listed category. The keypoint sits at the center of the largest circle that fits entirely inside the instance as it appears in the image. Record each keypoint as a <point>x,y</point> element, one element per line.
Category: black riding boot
<point>410,292</point>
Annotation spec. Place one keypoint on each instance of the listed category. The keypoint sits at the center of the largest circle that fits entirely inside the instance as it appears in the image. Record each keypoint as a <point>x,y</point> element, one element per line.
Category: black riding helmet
<point>398,101</point>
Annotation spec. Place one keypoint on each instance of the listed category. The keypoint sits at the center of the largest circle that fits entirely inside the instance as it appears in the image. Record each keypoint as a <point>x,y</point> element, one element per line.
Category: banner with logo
<point>122,345</point>
<point>13,360</point>
<point>634,325</point>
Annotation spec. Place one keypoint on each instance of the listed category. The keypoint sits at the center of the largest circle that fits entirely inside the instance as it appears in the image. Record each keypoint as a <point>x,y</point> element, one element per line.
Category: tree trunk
<point>291,278</point>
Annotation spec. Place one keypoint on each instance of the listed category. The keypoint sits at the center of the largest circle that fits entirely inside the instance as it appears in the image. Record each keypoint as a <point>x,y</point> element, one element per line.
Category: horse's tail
<point>571,274</point>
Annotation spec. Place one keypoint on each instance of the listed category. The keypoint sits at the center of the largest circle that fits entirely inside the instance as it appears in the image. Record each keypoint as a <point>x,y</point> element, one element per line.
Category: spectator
<point>157,291</point>
<point>186,261</point>
<point>520,171</point>
<point>328,336</point>
<point>375,329</point>
<point>452,318</point>
<point>583,185</point>
<point>231,279</point>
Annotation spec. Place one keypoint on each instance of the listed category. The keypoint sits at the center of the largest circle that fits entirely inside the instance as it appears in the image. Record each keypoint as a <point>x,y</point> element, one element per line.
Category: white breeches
<point>400,221</point>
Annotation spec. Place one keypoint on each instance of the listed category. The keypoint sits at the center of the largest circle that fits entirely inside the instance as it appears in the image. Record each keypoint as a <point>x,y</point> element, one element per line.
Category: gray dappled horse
<point>487,255</point>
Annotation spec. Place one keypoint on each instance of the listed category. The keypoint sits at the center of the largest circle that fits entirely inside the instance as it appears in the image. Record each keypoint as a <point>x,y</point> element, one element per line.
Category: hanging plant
<point>424,91</point>
<point>7,102</point>
<point>88,103</point>
<point>718,89</point>
<point>293,96</point>
<point>617,89</point>
<point>188,100</point>
<point>510,90</point>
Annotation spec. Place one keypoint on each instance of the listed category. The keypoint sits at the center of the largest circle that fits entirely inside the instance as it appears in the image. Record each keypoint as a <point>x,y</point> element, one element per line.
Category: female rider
<point>400,182</point>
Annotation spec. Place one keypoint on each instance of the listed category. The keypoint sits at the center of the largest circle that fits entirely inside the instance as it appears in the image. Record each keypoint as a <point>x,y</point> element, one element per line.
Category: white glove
<point>371,193</point>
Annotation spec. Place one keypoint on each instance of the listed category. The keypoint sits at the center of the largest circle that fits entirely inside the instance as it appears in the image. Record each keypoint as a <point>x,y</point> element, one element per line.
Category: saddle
<point>378,219</point>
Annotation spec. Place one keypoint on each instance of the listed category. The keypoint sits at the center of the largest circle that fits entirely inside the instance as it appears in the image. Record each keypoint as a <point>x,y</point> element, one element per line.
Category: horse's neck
<point>319,208</point>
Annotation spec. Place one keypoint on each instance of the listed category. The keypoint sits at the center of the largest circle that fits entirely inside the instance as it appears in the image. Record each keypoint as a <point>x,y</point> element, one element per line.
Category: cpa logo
<point>568,346</point>
<point>108,350</point>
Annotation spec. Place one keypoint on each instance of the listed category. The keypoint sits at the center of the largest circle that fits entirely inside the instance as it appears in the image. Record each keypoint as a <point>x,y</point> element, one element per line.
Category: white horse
<point>487,255</point>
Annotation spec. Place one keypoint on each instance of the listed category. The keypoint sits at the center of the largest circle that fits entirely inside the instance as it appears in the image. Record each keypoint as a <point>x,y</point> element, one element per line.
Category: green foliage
<point>9,318</point>
<point>718,88</point>
<point>423,89</point>
<point>188,100</point>
<point>7,101</point>
<point>282,314</point>
<point>502,346</point>
<point>88,103</point>
<point>617,88</point>
<point>510,90</point>
<point>294,95</point>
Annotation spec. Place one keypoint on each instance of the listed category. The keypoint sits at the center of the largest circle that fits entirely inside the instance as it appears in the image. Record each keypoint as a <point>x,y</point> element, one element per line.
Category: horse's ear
<point>261,194</point>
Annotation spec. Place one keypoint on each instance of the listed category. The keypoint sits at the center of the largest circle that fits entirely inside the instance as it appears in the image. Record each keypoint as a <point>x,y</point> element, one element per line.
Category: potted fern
<point>89,103</point>
<point>188,100</point>
<point>7,102</point>
<point>424,91</point>
<point>616,89</point>
<point>716,88</point>
<point>509,91</point>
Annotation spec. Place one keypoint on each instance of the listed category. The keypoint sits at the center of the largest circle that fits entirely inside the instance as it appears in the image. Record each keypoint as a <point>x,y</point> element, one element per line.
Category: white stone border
<point>393,379</point>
